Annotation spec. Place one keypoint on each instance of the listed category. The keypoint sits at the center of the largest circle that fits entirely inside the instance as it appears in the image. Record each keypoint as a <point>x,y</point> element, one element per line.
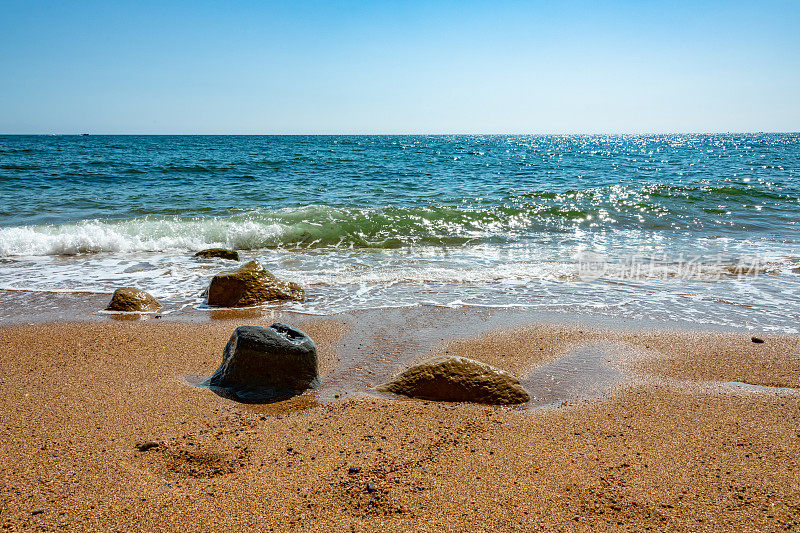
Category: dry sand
<point>654,454</point>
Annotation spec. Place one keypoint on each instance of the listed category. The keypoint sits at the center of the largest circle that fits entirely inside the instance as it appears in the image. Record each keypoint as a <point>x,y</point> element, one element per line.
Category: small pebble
<point>353,470</point>
<point>371,487</point>
<point>36,511</point>
<point>147,445</point>
<point>757,340</point>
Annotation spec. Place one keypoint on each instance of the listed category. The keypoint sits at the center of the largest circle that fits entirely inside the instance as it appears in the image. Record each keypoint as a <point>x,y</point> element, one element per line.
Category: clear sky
<point>399,67</point>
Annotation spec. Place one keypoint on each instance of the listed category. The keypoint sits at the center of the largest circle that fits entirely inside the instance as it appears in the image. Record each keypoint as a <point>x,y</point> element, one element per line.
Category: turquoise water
<point>696,228</point>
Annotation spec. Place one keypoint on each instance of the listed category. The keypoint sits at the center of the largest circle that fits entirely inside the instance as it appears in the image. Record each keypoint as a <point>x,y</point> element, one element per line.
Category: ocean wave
<point>318,226</point>
<point>306,227</point>
<point>679,195</point>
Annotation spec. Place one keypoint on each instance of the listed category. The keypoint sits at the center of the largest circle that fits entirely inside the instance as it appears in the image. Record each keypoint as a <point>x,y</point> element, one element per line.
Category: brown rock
<point>457,379</point>
<point>132,299</point>
<point>222,253</point>
<point>251,284</point>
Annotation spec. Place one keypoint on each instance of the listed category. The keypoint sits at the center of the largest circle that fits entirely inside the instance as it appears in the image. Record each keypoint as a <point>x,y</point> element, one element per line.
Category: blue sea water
<point>685,228</point>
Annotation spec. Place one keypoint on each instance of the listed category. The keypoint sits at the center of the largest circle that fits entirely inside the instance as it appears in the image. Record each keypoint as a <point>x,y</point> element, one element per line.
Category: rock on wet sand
<point>251,284</point>
<point>261,364</point>
<point>132,299</point>
<point>458,379</point>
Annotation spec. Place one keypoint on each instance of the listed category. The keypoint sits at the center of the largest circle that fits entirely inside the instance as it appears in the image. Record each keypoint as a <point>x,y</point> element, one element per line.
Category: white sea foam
<point>728,282</point>
<point>140,235</point>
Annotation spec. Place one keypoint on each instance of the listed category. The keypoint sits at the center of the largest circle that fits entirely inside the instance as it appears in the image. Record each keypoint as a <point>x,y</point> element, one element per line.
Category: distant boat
<point>84,134</point>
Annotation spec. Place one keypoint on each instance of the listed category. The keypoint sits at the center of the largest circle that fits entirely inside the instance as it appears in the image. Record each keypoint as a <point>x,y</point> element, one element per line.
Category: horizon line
<point>89,134</point>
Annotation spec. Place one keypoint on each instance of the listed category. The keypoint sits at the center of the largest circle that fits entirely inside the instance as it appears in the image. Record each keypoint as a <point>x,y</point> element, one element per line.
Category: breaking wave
<point>319,226</point>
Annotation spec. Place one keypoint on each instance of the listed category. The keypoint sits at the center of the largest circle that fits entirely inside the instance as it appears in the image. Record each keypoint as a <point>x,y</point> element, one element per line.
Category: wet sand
<point>659,440</point>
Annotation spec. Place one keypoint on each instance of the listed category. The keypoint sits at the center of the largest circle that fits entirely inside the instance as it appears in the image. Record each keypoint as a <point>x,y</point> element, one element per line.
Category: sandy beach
<point>400,267</point>
<point>672,440</point>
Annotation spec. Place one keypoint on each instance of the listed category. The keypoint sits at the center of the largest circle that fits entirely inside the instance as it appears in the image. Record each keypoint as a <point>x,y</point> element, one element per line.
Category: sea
<point>690,229</point>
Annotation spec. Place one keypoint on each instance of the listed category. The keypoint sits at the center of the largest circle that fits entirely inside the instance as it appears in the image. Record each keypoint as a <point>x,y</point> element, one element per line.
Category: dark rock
<point>146,445</point>
<point>262,364</point>
<point>371,487</point>
<point>222,253</point>
<point>251,284</point>
<point>132,299</point>
<point>353,470</point>
<point>757,340</point>
<point>36,511</point>
<point>457,379</point>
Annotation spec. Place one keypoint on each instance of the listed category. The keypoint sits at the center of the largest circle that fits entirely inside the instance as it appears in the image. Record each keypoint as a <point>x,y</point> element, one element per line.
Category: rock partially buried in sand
<point>132,300</point>
<point>222,253</point>
<point>251,284</point>
<point>457,379</point>
<point>262,364</point>
<point>146,445</point>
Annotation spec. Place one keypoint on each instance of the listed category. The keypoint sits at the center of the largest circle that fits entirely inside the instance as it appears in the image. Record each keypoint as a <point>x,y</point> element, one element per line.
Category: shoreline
<point>671,446</point>
<point>23,306</point>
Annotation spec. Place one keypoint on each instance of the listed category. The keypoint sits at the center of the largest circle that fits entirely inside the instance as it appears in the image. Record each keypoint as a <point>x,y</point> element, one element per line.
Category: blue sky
<point>399,67</point>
